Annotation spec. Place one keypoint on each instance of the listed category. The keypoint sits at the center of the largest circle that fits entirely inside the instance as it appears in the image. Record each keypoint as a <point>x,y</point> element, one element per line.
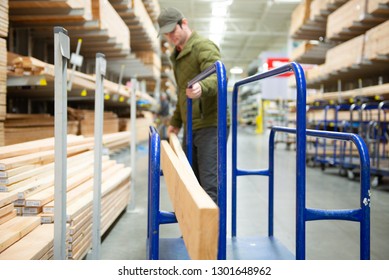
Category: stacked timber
<point>351,20</point>
<point>135,15</point>
<point>378,7</point>
<point>87,122</point>
<point>3,86</point>
<point>4,18</point>
<point>345,56</point>
<point>19,65</point>
<point>300,16</point>
<point>153,8</point>
<point>28,189</point>
<point>142,125</point>
<point>376,47</point>
<point>152,60</point>
<point>95,21</point>
<point>3,64</point>
<point>19,128</point>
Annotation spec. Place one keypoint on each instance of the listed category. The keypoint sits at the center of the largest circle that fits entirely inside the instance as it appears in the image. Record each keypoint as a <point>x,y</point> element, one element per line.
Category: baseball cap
<point>168,19</point>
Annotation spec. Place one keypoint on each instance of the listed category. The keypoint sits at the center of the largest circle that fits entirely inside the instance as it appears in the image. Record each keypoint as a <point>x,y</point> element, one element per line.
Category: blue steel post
<point>153,195</point>
<point>234,133</point>
<point>271,184</point>
<point>300,159</point>
<point>222,157</point>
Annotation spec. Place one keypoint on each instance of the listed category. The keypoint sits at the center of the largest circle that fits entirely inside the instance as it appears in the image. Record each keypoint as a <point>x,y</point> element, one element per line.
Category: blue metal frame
<point>303,214</point>
<point>300,137</point>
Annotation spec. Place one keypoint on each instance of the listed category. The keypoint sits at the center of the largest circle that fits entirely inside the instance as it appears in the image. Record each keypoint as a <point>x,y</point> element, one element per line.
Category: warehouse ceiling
<point>242,28</point>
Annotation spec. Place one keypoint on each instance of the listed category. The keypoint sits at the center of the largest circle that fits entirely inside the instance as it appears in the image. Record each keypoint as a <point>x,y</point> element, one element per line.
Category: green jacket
<point>197,55</point>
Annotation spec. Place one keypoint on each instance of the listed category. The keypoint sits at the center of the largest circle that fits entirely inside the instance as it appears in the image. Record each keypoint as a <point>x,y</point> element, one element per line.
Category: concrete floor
<point>325,240</point>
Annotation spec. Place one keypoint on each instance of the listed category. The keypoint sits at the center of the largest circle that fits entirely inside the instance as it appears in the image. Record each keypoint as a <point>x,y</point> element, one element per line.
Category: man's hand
<point>194,92</point>
<point>172,129</point>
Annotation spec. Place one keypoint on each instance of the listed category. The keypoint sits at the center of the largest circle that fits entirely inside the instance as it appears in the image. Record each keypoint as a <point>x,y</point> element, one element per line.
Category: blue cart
<point>266,247</point>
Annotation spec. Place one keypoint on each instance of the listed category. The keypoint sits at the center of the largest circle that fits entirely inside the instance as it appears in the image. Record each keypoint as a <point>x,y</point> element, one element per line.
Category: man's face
<point>177,37</point>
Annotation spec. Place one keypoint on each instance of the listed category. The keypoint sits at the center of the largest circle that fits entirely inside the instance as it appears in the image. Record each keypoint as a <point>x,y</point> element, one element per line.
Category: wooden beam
<point>33,246</point>
<point>197,214</point>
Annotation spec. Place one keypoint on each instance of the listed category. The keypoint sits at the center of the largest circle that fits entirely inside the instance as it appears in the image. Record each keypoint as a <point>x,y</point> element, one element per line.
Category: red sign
<point>278,62</point>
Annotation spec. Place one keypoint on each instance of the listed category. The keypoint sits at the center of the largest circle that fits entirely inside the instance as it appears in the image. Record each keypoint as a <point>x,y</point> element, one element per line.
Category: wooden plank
<point>86,200</point>
<point>40,157</point>
<point>38,146</point>
<point>33,246</point>
<point>8,216</point>
<point>6,209</point>
<point>197,214</point>
<point>376,43</point>
<point>7,198</point>
<point>83,173</point>
<point>15,229</point>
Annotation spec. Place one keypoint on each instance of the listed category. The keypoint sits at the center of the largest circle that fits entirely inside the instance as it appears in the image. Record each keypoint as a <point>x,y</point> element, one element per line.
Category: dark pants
<point>205,159</point>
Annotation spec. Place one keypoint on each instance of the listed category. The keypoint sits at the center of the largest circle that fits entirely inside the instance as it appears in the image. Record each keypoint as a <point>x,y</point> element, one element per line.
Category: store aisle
<point>126,240</point>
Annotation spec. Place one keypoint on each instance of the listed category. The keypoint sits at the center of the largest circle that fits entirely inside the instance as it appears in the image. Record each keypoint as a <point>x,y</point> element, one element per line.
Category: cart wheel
<point>350,174</point>
<point>323,166</point>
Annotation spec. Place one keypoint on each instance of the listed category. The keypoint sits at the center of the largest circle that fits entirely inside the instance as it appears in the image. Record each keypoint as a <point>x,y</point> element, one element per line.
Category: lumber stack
<point>135,15</point>
<point>153,8</point>
<point>378,7</point>
<point>143,124</point>
<point>27,179</point>
<point>151,60</point>
<point>345,56</point>
<point>116,28</point>
<point>87,122</point>
<point>19,128</point>
<point>4,18</point>
<point>299,22</point>
<point>351,20</point>
<point>19,65</point>
<point>3,86</point>
<point>376,43</point>
<point>3,64</point>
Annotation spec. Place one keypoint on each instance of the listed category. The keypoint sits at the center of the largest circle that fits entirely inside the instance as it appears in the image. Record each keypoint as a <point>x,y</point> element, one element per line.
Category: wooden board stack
<point>153,8</point>
<point>87,120</point>
<point>3,64</point>
<point>4,18</point>
<point>3,87</point>
<point>143,124</point>
<point>143,32</point>
<point>19,128</point>
<point>351,20</point>
<point>28,182</point>
<point>376,46</point>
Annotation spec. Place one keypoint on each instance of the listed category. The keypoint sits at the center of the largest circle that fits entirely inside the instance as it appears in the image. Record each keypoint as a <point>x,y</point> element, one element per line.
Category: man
<point>192,55</point>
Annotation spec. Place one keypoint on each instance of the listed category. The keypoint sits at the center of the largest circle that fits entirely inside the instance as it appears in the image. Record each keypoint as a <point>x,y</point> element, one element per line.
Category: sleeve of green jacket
<point>208,54</point>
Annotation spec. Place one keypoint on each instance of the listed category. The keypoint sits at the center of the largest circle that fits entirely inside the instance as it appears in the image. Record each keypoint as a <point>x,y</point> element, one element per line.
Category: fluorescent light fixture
<point>236,70</point>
